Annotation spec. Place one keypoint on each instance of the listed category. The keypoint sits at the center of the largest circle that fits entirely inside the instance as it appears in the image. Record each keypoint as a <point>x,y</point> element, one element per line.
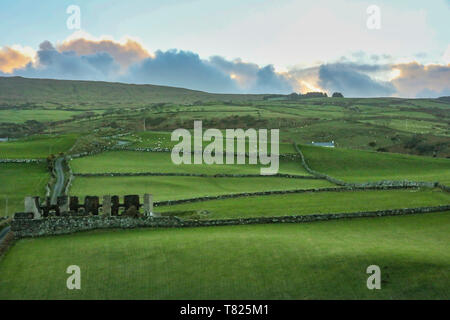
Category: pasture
<point>133,161</point>
<point>360,166</point>
<point>18,181</point>
<point>174,188</point>
<point>309,203</point>
<point>35,147</point>
<point>321,260</point>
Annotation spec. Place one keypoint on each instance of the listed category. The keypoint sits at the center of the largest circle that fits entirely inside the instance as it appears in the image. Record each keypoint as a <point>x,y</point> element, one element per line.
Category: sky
<point>360,48</point>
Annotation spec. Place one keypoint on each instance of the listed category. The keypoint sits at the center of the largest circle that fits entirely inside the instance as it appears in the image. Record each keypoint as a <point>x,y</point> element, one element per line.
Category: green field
<point>155,139</point>
<point>172,188</point>
<point>376,138</point>
<point>322,260</point>
<point>19,181</point>
<point>361,166</point>
<point>41,115</point>
<point>34,147</point>
<point>133,161</point>
<point>311,203</point>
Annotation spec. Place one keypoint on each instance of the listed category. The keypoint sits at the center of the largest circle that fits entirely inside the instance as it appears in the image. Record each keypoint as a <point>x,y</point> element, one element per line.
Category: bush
<point>132,212</point>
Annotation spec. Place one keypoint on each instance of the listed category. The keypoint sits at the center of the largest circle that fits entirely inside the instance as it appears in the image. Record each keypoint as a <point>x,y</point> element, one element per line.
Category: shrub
<point>132,212</point>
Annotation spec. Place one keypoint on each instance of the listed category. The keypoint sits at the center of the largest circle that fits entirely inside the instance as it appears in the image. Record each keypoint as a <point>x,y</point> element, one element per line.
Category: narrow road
<point>59,185</point>
<point>4,232</point>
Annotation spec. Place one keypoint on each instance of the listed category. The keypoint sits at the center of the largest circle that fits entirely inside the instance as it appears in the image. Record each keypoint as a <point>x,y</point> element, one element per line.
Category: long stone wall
<point>24,228</point>
<point>273,192</point>
<point>180,174</point>
<point>22,160</point>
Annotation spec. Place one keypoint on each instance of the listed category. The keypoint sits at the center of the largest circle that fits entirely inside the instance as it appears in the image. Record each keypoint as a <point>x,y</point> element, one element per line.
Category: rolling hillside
<point>18,90</point>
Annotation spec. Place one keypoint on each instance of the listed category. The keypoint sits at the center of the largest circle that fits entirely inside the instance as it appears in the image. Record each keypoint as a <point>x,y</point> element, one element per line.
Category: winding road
<point>4,232</point>
<point>59,185</point>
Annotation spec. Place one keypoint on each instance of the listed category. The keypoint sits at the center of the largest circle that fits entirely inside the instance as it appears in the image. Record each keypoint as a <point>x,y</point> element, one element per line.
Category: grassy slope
<point>325,260</point>
<point>36,146</point>
<point>171,188</point>
<point>313,203</point>
<point>94,93</point>
<point>18,181</point>
<point>360,166</point>
<point>131,161</point>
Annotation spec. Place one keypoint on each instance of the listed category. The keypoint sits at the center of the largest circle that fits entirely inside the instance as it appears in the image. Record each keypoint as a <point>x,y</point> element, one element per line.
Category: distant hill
<point>18,90</point>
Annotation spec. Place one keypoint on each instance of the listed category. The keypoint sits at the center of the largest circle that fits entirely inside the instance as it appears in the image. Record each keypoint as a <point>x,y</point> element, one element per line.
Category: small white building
<point>324,144</point>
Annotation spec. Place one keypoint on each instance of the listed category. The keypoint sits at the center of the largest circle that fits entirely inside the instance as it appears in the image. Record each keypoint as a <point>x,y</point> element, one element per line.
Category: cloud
<point>11,59</point>
<point>358,75</point>
<point>353,80</point>
<point>417,80</point>
<point>180,69</point>
<point>254,79</point>
<point>51,63</point>
<point>125,53</point>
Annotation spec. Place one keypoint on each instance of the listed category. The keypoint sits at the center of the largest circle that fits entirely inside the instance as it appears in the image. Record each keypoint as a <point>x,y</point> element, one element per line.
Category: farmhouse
<point>324,144</point>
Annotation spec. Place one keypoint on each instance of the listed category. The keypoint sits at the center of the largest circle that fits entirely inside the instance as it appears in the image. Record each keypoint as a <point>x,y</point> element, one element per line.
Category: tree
<point>338,95</point>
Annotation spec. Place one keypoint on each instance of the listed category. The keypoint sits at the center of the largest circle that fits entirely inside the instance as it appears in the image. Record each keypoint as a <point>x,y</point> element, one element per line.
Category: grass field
<point>171,188</point>
<point>41,115</point>
<point>154,139</point>
<point>39,146</point>
<point>321,260</point>
<point>18,181</point>
<point>133,161</point>
<point>312,203</point>
<point>360,166</point>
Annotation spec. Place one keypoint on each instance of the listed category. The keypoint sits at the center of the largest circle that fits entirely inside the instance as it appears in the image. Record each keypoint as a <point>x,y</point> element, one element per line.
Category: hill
<point>19,90</point>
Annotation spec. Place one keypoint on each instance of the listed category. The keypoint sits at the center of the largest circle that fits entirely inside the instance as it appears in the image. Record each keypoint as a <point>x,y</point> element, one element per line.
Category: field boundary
<point>22,160</point>
<point>274,192</point>
<point>26,228</point>
<point>203,175</point>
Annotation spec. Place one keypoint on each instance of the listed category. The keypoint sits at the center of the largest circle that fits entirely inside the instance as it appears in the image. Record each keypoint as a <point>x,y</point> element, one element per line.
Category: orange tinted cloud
<point>414,78</point>
<point>11,59</point>
<point>125,53</point>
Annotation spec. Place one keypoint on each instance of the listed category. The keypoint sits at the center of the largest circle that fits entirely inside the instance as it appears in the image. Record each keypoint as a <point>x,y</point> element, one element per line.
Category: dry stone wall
<point>24,228</point>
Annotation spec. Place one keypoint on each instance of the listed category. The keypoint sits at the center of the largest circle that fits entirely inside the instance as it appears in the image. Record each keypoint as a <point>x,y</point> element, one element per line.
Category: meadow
<point>174,188</point>
<point>41,115</point>
<point>155,139</point>
<point>376,138</point>
<point>320,260</point>
<point>17,182</point>
<point>360,166</point>
<point>36,147</point>
<point>133,161</point>
<point>308,203</point>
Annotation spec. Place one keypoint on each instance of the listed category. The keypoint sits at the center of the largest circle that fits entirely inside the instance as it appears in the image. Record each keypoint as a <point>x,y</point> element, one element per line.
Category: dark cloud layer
<point>180,69</point>
<point>68,65</point>
<point>172,68</point>
<point>351,79</point>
